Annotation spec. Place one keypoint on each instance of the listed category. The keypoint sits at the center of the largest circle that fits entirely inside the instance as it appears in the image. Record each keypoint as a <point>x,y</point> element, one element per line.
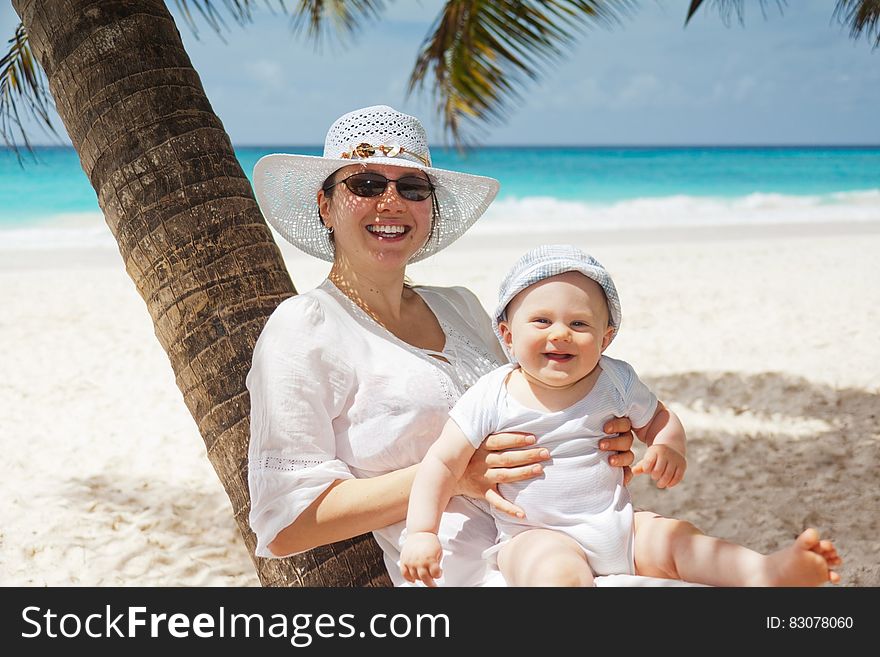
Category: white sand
<point>766,341</point>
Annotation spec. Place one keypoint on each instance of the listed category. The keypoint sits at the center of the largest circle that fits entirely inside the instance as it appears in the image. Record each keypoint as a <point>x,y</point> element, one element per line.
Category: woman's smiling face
<point>384,230</point>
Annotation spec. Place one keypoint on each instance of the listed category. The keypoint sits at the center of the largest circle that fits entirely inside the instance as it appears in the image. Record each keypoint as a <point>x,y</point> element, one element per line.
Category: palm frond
<point>239,10</point>
<point>22,81</point>
<point>483,53</point>
<point>344,17</point>
<point>316,18</point>
<point>863,16</point>
<point>727,9</point>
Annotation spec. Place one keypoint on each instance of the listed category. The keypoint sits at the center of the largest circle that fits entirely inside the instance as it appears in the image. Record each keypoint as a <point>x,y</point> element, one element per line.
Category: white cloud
<point>266,72</point>
<point>641,91</point>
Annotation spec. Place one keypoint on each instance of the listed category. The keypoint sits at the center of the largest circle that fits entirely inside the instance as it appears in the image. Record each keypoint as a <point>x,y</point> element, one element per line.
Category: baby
<point>558,311</point>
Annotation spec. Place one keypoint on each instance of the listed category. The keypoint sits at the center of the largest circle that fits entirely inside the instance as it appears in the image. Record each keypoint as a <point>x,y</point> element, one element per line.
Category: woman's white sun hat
<point>551,260</point>
<point>287,185</point>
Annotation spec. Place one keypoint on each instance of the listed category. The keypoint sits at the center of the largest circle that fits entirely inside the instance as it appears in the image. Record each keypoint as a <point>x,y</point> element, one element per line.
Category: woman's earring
<point>329,229</point>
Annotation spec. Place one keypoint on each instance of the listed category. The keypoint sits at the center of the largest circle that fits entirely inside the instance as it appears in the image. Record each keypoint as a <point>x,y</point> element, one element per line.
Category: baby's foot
<point>807,562</point>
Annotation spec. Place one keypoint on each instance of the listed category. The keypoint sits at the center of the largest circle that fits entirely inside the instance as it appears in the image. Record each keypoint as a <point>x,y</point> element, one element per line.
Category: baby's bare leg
<point>665,547</point>
<point>542,557</point>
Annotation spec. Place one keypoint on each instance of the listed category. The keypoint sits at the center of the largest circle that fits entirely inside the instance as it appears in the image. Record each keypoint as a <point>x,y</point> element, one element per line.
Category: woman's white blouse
<point>335,396</point>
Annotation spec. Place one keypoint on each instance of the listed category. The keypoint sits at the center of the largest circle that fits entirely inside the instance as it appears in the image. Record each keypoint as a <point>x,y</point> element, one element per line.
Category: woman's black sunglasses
<point>369,184</point>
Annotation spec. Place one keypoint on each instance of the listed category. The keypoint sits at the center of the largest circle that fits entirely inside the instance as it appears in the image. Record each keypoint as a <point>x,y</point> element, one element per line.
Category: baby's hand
<point>420,558</point>
<point>665,465</point>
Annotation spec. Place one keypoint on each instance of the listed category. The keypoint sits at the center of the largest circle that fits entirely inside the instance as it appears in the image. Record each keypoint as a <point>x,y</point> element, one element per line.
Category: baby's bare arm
<point>434,484</point>
<point>436,479</point>
<point>665,458</point>
<point>664,428</point>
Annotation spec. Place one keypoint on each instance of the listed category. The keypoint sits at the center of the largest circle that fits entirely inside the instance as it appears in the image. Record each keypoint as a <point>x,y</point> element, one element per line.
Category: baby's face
<point>558,328</point>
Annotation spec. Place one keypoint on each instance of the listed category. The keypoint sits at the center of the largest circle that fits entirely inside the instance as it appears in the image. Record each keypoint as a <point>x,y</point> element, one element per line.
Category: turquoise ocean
<point>47,202</point>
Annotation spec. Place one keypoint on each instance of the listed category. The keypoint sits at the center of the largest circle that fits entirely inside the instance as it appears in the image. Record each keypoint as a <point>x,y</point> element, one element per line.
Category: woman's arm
<point>352,507</point>
<point>347,508</point>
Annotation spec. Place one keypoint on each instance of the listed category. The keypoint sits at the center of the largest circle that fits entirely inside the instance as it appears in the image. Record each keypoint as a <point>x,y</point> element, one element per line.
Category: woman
<point>351,382</point>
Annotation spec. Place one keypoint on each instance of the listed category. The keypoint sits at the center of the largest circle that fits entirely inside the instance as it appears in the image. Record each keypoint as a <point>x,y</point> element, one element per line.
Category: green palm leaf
<point>862,16</point>
<point>482,53</point>
<point>23,84</point>
<point>239,10</point>
<point>22,81</point>
<point>311,16</point>
<point>727,8</point>
<point>343,17</point>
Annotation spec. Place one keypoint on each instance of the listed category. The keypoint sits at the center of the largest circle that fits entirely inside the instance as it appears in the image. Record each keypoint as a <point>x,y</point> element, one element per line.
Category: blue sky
<point>790,78</point>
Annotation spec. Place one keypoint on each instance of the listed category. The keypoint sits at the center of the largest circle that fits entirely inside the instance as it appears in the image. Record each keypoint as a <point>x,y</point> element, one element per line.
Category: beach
<point>764,339</point>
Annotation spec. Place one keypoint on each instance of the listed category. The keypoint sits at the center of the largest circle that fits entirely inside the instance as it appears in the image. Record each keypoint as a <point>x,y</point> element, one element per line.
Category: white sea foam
<point>536,214</point>
<point>63,231</point>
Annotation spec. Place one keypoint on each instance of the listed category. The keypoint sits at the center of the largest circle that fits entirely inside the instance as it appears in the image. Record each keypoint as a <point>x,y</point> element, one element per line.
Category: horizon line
<point>545,145</point>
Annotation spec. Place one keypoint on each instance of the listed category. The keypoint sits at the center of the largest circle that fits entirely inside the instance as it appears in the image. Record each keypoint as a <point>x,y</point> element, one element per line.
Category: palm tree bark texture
<point>188,228</point>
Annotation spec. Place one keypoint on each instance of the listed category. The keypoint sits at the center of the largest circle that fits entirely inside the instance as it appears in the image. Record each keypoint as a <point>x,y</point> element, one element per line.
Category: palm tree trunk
<point>188,227</point>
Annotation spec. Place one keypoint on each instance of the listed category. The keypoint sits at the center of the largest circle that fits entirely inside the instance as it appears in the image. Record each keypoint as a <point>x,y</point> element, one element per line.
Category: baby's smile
<point>558,357</point>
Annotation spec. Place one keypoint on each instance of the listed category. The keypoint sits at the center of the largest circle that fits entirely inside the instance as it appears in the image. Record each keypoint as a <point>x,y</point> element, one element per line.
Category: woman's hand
<point>621,444</point>
<point>501,459</point>
<point>508,457</point>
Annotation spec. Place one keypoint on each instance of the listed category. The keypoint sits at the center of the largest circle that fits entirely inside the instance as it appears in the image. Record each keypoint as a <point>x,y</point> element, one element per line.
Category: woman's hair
<point>329,188</point>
